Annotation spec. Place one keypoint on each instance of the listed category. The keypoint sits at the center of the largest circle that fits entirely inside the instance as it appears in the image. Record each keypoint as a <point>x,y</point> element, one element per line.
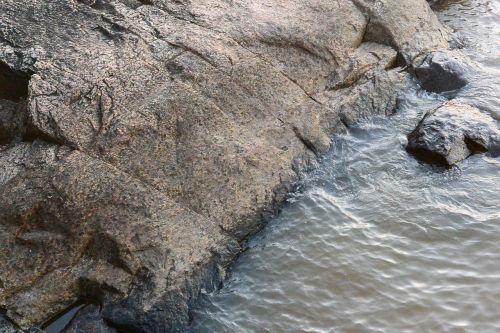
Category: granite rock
<point>145,140</point>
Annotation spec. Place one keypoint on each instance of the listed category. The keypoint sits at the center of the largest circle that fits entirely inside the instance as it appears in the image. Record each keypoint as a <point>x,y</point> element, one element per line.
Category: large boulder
<point>453,132</point>
<point>144,140</point>
<point>443,71</point>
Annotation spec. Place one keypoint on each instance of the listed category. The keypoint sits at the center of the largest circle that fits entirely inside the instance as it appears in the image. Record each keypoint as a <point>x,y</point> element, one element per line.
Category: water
<point>376,241</point>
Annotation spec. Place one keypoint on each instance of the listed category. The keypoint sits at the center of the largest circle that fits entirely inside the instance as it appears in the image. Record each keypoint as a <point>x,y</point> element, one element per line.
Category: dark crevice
<point>344,121</point>
<point>121,328</point>
<point>146,2</point>
<point>13,83</point>
<point>400,61</point>
<point>429,157</point>
<point>33,134</point>
<point>62,320</point>
<point>307,143</point>
<point>97,4</point>
<point>474,146</point>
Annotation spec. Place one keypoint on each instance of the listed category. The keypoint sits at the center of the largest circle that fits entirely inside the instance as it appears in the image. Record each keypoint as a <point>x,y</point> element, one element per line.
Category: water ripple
<point>377,241</point>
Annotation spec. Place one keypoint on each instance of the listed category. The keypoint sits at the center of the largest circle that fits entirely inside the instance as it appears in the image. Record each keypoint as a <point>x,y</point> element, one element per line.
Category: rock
<point>155,136</point>
<point>410,27</point>
<point>453,132</point>
<point>6,326</point>
<point>88,320</point>
<point>444,71</point>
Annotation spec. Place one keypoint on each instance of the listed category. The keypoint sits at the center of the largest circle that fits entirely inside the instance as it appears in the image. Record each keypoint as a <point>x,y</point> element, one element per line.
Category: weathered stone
<point>160,134</point>
<point>444,71</point>
<point>89,320</point>
<point>410,27</point>
<point>6,326</point>
<point>453,132</point>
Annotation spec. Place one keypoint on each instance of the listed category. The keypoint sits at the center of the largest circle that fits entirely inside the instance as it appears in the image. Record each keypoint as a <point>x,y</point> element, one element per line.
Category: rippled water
<point>376,241</point>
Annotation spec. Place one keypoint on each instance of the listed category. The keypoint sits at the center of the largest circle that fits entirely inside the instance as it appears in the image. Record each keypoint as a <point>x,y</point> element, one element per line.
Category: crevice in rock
<point>310,96</point>
<point>97,4</point>
<point>281,72</point>
<point>307,143</point>
<point>121,328</point>
<point>146,2</point>
<point>344,121</point>
<point>401,61</point>
<point>13,83</point>
<point>194,52</point>
<point>474,146</point>
<point>61,320</point>
<point>32,134</point>
<point>352,78</point>
<point>429,157</point>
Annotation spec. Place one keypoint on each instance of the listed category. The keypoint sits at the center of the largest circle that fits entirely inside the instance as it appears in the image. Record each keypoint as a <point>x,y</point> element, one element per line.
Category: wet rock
<point>88,320</point>
<point>443,71</point>
<point>161,133</point>
<point>6,326</point>
<point>453,132</point>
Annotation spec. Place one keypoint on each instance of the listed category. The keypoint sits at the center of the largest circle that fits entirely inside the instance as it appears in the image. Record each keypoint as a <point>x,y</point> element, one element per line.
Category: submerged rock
<point>160,134</point>
<point>453,132</point>
<point>443,71</point>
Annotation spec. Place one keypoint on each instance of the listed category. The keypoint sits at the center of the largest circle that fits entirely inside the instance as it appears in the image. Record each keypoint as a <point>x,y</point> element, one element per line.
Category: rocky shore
<point>143,141</point>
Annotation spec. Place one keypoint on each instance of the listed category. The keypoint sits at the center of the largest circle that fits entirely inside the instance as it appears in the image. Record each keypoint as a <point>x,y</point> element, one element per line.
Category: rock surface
<point>144,140</point>
<point>444,71</point>
<point>453,132</point>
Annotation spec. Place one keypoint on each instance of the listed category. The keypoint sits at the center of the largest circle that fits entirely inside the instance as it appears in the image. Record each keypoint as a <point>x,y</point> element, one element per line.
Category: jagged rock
<point>160,134</point>
<point>444,71</point>
<point>453,132</point>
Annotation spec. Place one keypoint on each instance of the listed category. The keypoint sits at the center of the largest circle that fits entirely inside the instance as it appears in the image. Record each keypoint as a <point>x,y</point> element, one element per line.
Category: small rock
<point>443,71</point>
<point>453,132</point>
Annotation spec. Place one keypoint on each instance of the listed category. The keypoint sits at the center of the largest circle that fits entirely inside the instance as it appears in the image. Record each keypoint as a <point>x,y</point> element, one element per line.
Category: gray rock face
<point>444,71</point>
<point>89,319</point>
<point>6,326</point>
<point>453,132</point>
<point>142,141</point>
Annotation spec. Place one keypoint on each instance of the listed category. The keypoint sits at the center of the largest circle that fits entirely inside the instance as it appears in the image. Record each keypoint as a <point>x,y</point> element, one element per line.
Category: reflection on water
<point>376,241</point>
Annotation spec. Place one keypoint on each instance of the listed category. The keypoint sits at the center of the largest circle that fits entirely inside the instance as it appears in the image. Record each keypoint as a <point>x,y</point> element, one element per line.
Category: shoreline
<point>366,90</point>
